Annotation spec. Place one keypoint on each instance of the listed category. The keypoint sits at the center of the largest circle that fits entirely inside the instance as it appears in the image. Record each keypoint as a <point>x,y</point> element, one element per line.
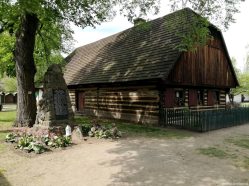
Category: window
<point>179,98</point>
<point>200,97</point>
<point>216,97</point>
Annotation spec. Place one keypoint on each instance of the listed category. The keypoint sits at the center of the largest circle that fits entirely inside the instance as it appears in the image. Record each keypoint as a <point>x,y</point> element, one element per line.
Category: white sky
<point>236,37</point>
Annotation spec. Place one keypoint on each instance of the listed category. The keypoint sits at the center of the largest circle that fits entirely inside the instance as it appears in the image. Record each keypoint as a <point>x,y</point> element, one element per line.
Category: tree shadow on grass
<point>3,180</point>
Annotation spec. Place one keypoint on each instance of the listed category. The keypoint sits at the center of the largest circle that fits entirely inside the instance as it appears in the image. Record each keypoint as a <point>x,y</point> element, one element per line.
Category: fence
<point>204,121</point>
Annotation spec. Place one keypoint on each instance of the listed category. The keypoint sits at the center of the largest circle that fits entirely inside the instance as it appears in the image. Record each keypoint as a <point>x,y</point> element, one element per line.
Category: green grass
<point>7,117</point>
<point>246,163</point>
<point>241,142</point>
<point>6,120</point>
<point>213,152</point>
<point>134,130</point>
<point>244,104</point>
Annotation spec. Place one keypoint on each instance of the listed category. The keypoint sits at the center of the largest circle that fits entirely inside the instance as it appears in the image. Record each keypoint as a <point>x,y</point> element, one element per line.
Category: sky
<point>236,37</point>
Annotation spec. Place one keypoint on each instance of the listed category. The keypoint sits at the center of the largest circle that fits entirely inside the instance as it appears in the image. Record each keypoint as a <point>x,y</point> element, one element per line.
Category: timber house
<point>134,73</point>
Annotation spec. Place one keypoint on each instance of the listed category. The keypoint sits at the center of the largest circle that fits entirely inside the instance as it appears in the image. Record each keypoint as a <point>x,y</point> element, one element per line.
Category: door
<point>81,101</point>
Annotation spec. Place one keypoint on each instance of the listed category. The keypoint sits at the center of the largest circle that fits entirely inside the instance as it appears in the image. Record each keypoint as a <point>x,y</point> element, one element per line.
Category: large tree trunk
<point>25,70</point>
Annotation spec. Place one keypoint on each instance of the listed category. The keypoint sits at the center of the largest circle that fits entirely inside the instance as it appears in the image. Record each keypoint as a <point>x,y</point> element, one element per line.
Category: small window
<point>179,98</point>
<point>216,97</point>
<point>200,97</point>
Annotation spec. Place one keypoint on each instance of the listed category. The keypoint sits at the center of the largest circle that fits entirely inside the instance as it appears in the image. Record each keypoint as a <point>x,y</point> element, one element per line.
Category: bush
<point>11,138</point>
<point>61,141</point>
<point>99,131</point>
<point>85,128</point>
<point>38,144</point>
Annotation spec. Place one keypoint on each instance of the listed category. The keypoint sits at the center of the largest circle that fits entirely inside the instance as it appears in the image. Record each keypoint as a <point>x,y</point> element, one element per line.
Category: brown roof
<point>147,51</point>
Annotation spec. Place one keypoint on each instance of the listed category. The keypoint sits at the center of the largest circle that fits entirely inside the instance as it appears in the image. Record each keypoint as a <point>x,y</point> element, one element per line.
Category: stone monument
<point>54,110</point>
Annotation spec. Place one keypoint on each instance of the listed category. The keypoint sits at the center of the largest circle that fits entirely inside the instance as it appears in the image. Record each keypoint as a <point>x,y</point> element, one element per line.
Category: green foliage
<point>11,137</point>
<point>198,34</point>
<point>37,147</point>
<point>49,44</point>
<point>54,34</point>
<point>7,64</point>
<point>31,143</point>
<point>99,132</point>
<point>59,141</point>
<point>9,84</point>
<point>85,128</point>
<point>144,26</point>
<point>219,12</point>
<point>24,141</point>
<point>243,79</point>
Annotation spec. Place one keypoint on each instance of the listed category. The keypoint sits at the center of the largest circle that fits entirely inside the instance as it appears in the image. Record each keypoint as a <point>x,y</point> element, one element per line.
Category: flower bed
<point>100,131</point>
<point>37,141</point>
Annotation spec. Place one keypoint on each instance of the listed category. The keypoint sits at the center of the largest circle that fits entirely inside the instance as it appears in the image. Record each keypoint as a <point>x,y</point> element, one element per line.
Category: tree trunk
<point>25,70</point>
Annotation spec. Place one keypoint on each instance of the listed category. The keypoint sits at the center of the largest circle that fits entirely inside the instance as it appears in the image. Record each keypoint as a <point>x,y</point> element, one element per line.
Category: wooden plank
<point>149,112</point>
<point>206,66</point>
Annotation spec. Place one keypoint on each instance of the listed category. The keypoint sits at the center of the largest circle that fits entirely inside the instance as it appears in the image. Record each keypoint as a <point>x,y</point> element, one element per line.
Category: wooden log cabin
<point>134,73</point>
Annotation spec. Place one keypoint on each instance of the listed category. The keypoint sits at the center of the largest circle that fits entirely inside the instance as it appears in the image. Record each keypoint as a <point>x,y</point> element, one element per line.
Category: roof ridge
<point>171,13</point>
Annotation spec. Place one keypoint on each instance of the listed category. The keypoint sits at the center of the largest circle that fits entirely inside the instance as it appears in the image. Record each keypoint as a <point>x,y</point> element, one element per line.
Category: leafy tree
<point>219,12</point>
<point>7,64</point>
<point>244,84</point>
<point>27,19</point>
<point>47,51</point>
<point>9,84</point>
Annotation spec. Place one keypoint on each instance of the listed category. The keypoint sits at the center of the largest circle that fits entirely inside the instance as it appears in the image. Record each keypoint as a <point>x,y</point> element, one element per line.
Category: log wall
<point>137,104</point>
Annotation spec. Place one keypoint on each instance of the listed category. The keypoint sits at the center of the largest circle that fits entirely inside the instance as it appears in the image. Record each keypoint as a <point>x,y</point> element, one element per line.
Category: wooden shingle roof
<point>147,51</point>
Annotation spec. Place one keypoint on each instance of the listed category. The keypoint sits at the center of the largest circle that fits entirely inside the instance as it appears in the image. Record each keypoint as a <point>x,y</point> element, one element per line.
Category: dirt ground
<point>131,161</point>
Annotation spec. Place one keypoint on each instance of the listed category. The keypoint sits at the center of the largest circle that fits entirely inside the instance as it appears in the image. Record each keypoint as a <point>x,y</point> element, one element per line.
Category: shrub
<point>85,128</point>
<point>61,141</point>
<point>11,138</point>
<point>105,132</point>
<point>38,144</point>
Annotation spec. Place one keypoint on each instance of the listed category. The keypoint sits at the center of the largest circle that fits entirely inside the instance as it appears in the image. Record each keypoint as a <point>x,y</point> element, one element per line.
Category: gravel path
<point>131,161</point>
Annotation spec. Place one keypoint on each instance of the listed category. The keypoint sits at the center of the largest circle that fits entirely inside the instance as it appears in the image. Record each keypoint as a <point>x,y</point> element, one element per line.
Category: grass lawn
<point>242,141</point>
<point>134,130</point>
<point>6,120</point>
<point>213,152</point>
<point>235,148</point>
